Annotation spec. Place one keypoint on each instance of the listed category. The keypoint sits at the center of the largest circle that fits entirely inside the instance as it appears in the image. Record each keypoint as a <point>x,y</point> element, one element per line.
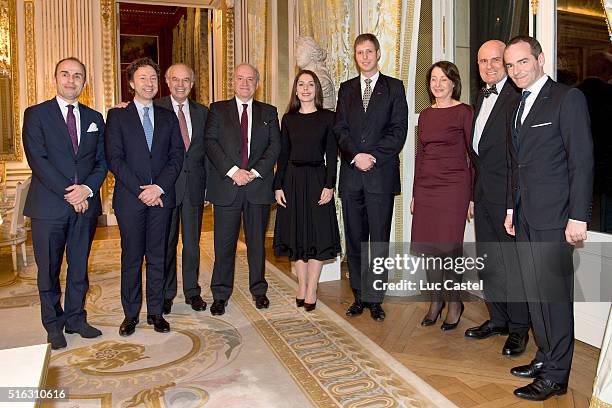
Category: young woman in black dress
<point>306,227</point>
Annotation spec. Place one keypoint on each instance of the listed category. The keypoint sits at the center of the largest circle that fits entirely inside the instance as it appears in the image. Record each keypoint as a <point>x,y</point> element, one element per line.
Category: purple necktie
<point>244,132</point>
<point>72,128</point>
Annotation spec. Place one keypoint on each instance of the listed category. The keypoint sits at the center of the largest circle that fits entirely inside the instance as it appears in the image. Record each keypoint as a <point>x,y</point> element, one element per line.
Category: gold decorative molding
<point>10,61</point>
<point>534,7</point>
<point>109,41</point>
<point>228,51</point>
<point>109,80</point>
<point>30,51</point>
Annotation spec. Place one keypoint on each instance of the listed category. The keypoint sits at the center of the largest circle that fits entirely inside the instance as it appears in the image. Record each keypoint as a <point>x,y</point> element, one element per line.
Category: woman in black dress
<point>306,225</point>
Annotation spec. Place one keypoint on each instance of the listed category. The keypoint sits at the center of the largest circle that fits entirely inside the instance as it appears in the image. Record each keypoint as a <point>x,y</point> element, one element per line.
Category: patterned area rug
<point>279,357</point>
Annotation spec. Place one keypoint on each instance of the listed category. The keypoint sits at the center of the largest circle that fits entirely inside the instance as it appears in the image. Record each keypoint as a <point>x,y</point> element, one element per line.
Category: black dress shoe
<point>309,307</point>
<point>86,331</point>
<point>128,326</point>
<point>430,322</point>
<point>57,340</point>
<point>452,326</point>
<point>299,302</point>
<point>167,307</point>
<point>515,344</point>
<point>160,324</point>
<point>376,312</point>
<point>217,308</point>
<point>540,390</point>
<point>530,370</point>
<point>197,303</point>
<point>261,302</point>
<point>485,330</point>
<point>355,309</point>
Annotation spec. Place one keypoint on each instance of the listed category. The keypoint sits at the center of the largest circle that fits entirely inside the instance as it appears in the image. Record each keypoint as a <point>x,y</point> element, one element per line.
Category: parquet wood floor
<point>471,373</point>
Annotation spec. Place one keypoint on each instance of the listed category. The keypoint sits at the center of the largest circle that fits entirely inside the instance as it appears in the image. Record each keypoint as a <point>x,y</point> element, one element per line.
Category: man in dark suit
<point>64,145</point>
<point>190,188</point>
<point>145,153</point>
<point>495,103</point>
<point>370,125</point>
<point>242,142</point>
<point>549,205</point>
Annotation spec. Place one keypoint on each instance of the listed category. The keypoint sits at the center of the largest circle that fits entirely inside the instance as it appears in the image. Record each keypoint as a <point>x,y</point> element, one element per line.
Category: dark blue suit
<point>144,230</point>
<point>55,224</point>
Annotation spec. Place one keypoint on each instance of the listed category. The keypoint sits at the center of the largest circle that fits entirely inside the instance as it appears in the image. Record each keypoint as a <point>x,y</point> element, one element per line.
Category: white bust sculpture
<point>309,55</point>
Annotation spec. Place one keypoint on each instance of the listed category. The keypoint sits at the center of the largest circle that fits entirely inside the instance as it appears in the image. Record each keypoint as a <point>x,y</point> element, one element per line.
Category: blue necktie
<point>518,120</point>
<point>148,127</point>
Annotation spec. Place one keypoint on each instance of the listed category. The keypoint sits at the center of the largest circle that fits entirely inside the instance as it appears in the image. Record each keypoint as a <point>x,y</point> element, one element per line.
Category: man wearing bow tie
<point>503,288</point>
<point>64,145</point>
<point>242,141</point>
<point>370,124</point>
<point>549,204</point>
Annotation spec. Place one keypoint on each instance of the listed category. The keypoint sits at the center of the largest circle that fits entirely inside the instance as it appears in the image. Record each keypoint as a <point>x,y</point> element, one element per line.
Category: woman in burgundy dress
<point>442,186</point>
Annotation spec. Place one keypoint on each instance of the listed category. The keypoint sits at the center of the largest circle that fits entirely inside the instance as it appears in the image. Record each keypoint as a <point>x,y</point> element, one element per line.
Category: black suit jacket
<point>54,164</point>
<point>130,160</point>
<point>553,167</point>
<point>381,131</point>
<point>223,144</point>
<point>490,163</point>
<point>192,178</point>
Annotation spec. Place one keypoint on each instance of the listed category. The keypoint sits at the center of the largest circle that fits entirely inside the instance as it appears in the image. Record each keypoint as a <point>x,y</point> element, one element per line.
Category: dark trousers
<point>367,220</point>
<point>503,285</point>
<point>546,266</point>
<point>144,233</point>
<point>49,238</point>
<point>227,228</point>
<point>188,219</point>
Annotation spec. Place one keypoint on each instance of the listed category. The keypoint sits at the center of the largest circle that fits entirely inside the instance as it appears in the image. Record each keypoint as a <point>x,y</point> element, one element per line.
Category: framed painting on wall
<point>132,47</point>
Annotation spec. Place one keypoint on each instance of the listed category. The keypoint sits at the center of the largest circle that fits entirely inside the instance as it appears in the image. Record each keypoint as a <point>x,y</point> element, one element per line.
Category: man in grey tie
<point>370,125</point>
<point>145,153</point>
<point>190,189</point>
<point>64,143</point>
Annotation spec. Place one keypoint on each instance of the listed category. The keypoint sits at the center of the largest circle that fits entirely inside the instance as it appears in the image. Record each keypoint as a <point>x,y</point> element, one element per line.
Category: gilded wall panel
<point>383,19</point>
<point>30,51</point>
<point>333,24</point>
<point>259,43</point>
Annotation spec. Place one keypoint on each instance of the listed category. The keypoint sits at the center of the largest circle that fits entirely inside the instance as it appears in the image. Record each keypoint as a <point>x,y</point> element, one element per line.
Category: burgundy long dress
<point>443,178</point>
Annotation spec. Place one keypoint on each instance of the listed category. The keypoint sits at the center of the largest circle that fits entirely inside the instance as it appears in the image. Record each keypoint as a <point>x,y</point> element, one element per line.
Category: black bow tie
<point>488,91</point>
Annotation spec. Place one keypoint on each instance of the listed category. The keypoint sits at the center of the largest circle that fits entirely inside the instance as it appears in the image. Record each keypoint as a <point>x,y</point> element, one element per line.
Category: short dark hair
<point>141,62</point>
<point>361,38</point>
<point>294,101</point>
<point>536,48</point>
<point>452,72</point>
<point>75,59</point>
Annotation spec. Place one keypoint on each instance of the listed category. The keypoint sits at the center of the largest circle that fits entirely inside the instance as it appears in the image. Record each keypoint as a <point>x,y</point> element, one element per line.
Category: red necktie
<point>244,132</point>
<point>72,128</point>
<point>183,125</point>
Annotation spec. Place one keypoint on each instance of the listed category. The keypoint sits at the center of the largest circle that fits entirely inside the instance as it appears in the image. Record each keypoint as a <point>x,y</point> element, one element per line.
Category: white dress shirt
<point>186,112</point>
<point>249,109</point>
<point>485,111</point>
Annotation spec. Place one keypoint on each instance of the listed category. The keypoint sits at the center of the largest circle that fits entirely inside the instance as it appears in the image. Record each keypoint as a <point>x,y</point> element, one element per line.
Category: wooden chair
<point>13,233</point>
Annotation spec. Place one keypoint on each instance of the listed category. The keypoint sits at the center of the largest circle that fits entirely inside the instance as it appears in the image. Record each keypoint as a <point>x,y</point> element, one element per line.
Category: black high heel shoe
<point>309,307</point>
<point>430,322</point>
<point>299,302</point>
<point>451,326</point>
